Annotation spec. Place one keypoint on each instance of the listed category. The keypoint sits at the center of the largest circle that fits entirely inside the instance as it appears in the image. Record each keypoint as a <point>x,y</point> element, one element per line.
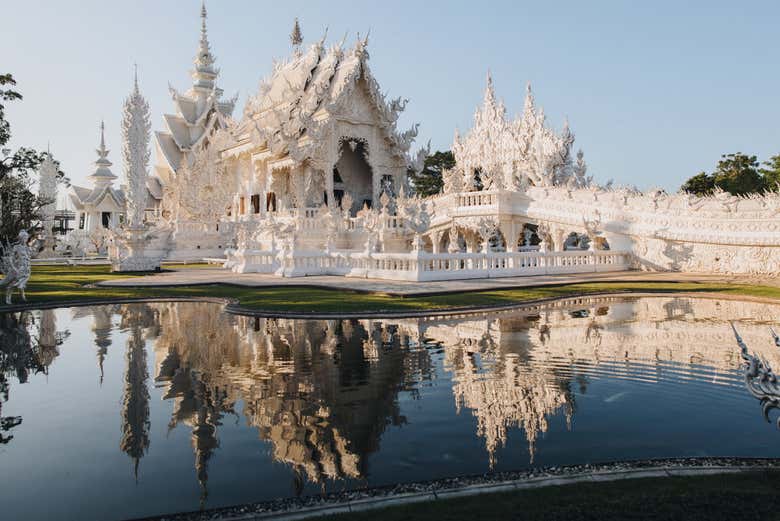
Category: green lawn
<point>724,497</point>
<point>60,284</point>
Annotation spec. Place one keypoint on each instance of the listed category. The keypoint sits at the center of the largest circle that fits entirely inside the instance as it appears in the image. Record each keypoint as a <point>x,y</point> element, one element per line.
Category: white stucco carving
<point>47,191</point>
<point>136,127</point>
<point>135,246</point>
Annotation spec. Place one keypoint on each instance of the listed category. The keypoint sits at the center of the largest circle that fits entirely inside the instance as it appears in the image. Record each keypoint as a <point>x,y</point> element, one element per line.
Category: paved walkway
<point>189,277</point>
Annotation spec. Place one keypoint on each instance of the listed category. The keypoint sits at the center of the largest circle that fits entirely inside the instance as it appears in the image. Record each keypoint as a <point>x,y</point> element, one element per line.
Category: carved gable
<point>357,107</point>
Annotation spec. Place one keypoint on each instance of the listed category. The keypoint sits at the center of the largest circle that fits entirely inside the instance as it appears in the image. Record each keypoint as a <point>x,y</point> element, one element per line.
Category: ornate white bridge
<point>424,266</point>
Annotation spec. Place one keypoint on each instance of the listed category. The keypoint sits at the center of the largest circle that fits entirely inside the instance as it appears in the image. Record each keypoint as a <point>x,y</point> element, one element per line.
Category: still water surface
<point>114,412</point>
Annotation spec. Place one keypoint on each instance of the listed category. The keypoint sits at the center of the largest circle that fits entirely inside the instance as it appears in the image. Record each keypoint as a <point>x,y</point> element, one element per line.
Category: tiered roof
<point>102,180</point>
<point>294,102</point>
<point>198,112</point>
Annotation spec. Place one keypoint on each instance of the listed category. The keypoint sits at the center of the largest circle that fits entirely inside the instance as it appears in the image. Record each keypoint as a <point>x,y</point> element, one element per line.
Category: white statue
<point>15,265</point>
<point>592,232</point>
<point>527,236</point>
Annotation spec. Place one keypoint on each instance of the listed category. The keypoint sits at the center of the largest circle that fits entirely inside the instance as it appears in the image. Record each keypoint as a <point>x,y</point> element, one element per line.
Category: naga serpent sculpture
<point>760,380</point>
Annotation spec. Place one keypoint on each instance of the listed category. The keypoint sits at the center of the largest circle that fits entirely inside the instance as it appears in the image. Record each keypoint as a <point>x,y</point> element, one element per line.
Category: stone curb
<point>363,505</point>
<point>442,490</point>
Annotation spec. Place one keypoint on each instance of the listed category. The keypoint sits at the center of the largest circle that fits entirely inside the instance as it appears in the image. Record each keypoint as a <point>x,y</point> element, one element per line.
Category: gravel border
<point>393,495</point>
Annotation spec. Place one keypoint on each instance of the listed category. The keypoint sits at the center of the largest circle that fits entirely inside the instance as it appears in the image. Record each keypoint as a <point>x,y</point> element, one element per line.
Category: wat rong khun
<point>313,179</point>
<point>272,316</point>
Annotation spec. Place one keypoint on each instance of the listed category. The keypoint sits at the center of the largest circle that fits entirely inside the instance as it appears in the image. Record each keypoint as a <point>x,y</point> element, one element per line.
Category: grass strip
<point>53,284</point>
<point>749,495</point>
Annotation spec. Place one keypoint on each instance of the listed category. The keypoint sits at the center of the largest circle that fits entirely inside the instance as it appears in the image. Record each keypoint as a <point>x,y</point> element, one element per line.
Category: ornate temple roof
<point>512,153</point>
<point>102,179</point>
<point>295,100</point>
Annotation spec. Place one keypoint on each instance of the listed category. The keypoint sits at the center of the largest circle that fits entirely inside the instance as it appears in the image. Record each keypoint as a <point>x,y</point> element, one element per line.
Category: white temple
<point>312,179</point>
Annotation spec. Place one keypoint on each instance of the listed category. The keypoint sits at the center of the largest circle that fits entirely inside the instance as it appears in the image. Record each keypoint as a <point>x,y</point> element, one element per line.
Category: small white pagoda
<point>103,203</point>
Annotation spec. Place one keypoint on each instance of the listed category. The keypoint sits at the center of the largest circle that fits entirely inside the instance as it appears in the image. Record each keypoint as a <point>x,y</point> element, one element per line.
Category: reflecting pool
<point>122,411</point>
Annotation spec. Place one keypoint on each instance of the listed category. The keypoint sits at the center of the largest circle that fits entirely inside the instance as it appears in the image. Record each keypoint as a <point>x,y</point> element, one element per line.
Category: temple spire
<point>204,73</point>
<point>102,152</point>
<point>296,36</point>
<point>529,105</point>
<point>102,174</point>
<point>492,108</point>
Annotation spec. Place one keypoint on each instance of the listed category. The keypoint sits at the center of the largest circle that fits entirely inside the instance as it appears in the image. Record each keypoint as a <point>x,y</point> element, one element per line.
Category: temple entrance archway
<point>352,174</point>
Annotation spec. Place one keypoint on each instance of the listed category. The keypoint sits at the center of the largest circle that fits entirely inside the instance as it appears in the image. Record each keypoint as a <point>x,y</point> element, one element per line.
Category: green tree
<point>19,205</point>
<point>429,181</point>
<point>737,174</point>
<point>772,173</point>
<point>700,184</point>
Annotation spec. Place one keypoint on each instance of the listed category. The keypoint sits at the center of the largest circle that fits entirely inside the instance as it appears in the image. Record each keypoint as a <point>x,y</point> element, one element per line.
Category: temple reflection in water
<point>323,392</point>
<point>28,345</point>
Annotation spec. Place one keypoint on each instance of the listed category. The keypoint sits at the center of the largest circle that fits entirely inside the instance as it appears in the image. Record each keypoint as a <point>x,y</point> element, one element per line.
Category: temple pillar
<point>257,174</point>
<point>305,192</point>
<point>436,242</point>
<point>558,238</point>
<point>328,173</point>
<point>472,241</point>
<point>510,231</point>
<point>376,181</point>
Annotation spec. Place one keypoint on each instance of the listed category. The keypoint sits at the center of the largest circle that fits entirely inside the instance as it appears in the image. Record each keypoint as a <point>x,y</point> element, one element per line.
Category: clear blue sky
<point>655,91</point>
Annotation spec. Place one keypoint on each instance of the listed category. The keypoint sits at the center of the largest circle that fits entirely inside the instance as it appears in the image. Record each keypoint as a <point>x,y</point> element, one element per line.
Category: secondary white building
<point>102,205</point>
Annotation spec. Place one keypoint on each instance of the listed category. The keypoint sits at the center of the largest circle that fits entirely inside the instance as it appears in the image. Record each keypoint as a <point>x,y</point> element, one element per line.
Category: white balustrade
<point>466,199</point>
<point>429,266</point>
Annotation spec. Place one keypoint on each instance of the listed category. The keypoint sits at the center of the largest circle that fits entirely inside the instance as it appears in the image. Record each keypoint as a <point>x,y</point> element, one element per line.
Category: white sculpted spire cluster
<point>136,131</point>
<point>501,154</point>
<point>47,191</point>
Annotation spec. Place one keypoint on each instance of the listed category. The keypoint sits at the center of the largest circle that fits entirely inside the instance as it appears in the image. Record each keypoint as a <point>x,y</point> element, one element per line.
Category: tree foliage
<point>772,173</point>
<point>738,174</point>
<point>700,184</point>
<point>19,206</point>
<point>429,181</point>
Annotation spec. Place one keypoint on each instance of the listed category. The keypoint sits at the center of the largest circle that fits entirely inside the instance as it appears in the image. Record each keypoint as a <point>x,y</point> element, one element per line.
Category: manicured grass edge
<point>57,286</point>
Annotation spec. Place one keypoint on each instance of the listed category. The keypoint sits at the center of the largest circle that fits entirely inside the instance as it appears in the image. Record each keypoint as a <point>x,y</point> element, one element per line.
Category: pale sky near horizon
<point>654,91</point>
